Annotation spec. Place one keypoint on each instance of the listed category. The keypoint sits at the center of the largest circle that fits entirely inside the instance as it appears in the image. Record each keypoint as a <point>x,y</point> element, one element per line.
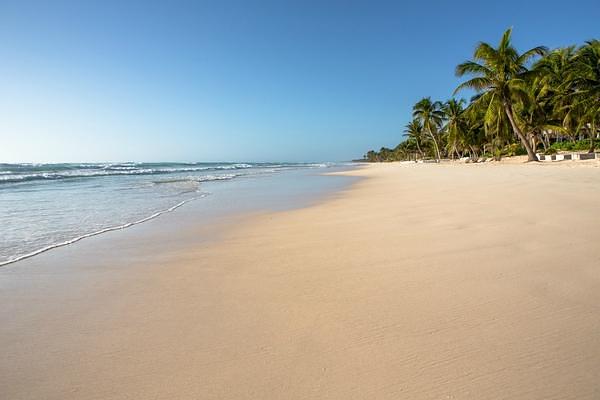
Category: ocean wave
<point>203,178</point>
<point>322,165</point>
<point>120,168</point>
<point>19,173</point>
<point>112,171</point>
<point>52,176</point>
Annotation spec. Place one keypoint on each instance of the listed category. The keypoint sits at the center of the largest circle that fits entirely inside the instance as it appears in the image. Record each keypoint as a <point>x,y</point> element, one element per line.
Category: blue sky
<point>221,80</point>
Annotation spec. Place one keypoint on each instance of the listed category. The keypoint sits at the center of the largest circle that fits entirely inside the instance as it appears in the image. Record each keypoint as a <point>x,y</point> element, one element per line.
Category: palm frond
<point>477,84</point>
<point>472,68</point>
<point>529,54</point>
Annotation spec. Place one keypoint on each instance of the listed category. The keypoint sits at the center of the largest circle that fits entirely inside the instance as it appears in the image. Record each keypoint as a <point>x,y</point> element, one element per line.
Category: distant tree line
<point>537,101</point>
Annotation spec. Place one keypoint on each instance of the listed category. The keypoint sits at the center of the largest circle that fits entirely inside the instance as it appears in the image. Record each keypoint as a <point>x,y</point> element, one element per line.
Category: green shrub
<point>582,145</point>
<point>513,149</point>
<point>571,146</point>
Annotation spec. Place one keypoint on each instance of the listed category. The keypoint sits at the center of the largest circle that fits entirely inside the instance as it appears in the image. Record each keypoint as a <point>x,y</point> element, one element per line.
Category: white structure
<point>568,156</point>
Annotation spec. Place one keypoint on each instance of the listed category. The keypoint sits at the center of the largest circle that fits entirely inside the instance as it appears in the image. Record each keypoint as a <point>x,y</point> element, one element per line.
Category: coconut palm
<point>430,115</point>
<point>553,73</point>
<point>557,99</point>
<point>414,131</point>
<point>474,136</point>
<point>371,156</point>
<point>585,83</point>
<point>500,75</point>
<point>455,127</point>
<point>551,91</point>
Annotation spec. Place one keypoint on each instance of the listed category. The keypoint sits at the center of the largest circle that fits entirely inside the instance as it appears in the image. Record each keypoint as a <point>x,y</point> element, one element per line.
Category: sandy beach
<point>417,282</point>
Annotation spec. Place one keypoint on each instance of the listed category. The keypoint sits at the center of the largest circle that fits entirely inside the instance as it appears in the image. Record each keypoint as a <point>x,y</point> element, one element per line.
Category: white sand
<point>420,282</point>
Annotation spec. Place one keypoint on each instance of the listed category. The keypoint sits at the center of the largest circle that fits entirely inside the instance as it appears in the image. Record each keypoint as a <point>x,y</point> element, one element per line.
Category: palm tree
<point>553,73</point>
<point>414,130</point>
<point>474,136</point>
<point>500,75</point>
<point>430,115</point>
<point>585,81</point>
<point>551,90</point>
<point>386,154</point>
<point>537,117</point>
<point>455,124</point>
<point>371,156</point>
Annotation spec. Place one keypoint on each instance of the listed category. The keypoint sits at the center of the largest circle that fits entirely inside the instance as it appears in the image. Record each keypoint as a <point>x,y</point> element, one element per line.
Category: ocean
<point>44,206</point>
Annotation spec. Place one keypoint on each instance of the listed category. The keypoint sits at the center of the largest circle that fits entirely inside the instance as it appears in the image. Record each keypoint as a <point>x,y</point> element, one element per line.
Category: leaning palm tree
<point>430,115</point>
<point>500,75</point>
<point>414,130</point>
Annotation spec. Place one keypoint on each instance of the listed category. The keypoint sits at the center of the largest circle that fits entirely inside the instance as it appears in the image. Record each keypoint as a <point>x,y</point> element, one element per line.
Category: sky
<point>84,81</point>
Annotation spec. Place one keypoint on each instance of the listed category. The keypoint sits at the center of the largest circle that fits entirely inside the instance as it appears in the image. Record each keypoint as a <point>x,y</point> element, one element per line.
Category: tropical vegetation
<point>537,101</point>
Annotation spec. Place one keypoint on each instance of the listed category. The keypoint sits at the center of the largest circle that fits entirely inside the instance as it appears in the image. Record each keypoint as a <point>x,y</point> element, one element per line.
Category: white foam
<point>110,229</point>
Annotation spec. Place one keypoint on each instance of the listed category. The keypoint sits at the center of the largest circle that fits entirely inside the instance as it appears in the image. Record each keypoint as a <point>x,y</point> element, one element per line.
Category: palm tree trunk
<point>509,113</point>
<point>435,144</point>
<point>427,127</point>
<point>437,149</point>
<point>546,141</point>
<point>418,147</point>
<point>544,144</point>
<point>592,138</point>
<point>473,153</point>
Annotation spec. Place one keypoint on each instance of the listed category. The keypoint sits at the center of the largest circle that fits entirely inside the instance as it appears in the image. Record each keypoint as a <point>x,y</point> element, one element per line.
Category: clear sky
<point>244,80</point>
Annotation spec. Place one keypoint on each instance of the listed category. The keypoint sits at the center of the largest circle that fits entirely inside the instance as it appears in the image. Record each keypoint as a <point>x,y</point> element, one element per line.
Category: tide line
<point>110,229</point>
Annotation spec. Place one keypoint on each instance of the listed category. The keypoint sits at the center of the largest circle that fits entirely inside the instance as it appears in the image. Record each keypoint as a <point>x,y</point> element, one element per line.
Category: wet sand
<point>419,281</point>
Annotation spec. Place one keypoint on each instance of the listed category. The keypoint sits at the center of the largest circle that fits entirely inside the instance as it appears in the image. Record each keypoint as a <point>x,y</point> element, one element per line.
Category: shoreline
<point>100,232</point>
<point>420,281</point>
<point>153,214</point>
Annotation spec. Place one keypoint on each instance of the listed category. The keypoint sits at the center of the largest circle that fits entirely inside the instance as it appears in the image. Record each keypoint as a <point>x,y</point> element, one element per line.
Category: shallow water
<point>43,206</point>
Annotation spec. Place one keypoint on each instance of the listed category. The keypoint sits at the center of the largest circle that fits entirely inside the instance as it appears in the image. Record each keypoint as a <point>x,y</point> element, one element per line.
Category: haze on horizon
<point>226,80</point>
